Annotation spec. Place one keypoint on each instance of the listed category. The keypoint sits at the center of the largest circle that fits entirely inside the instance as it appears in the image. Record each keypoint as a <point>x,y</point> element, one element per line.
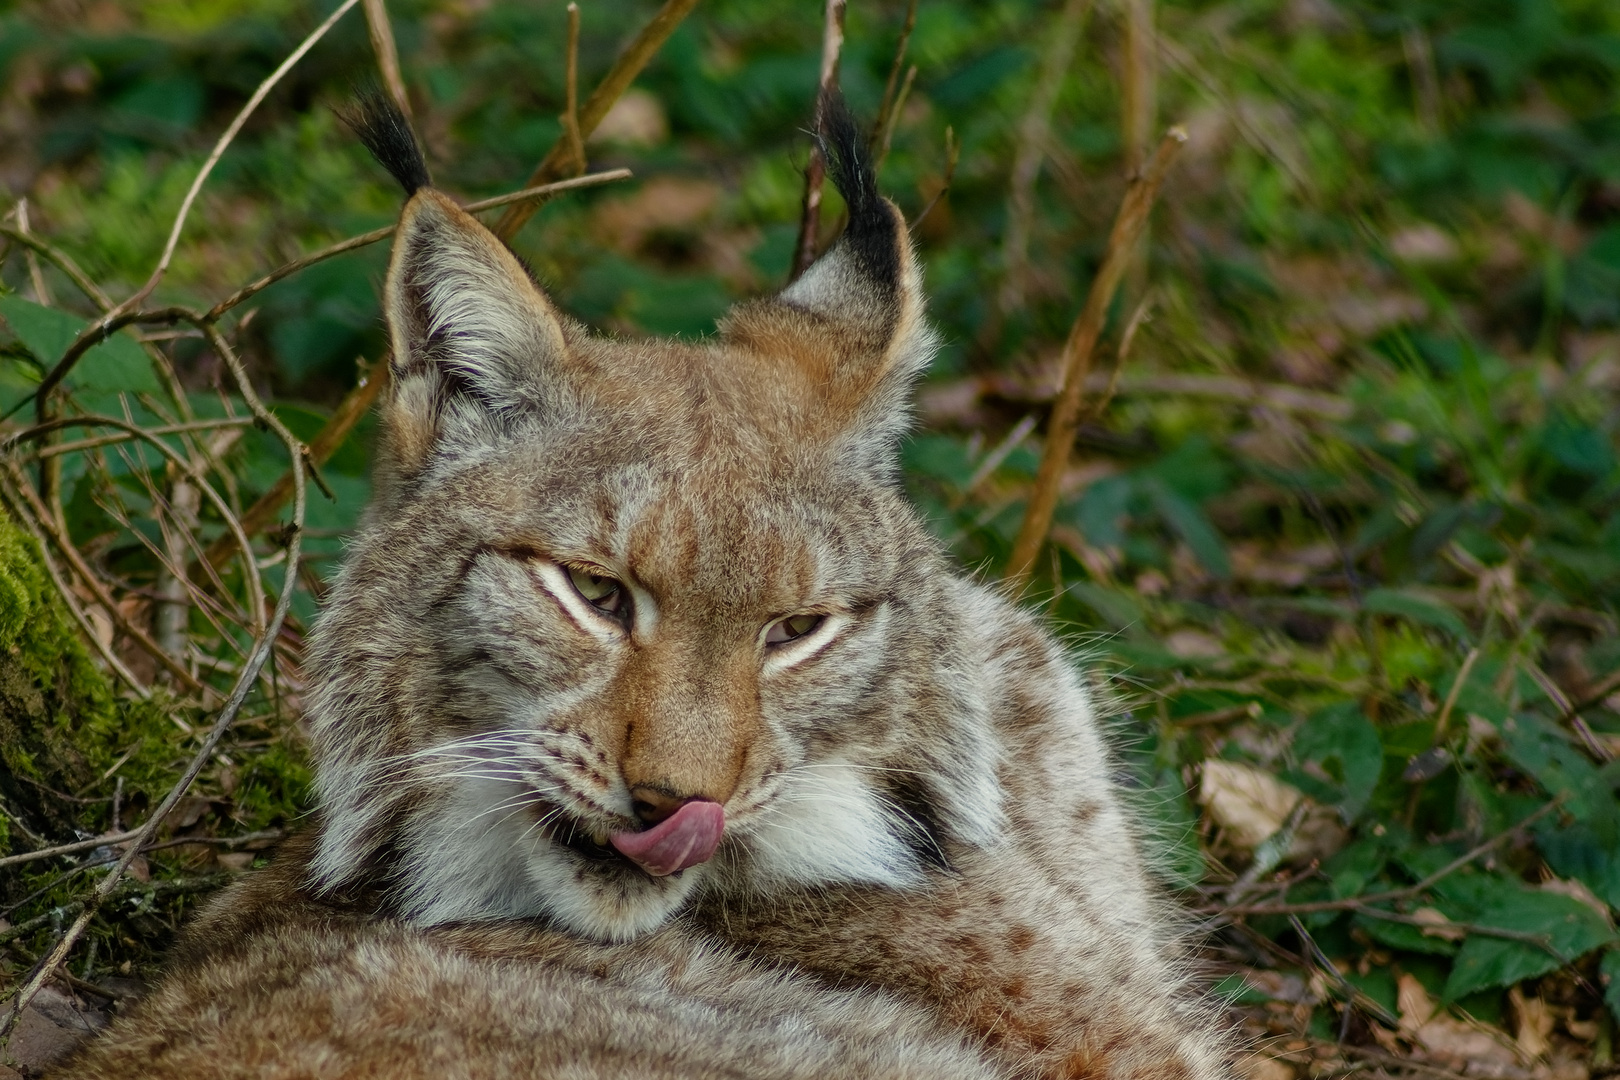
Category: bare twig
<point>63,262</point>
<point>815,170</point>
<point>70,849</point>
<point>1034,130</point>
<point>570,116</point>
<point>1568,713</point>
<point>78,445</point>
<point>618,79</point>
<point>194,475</point>
<point>1356,903</point>
<point>1140,108</point>
<point>382,43</point>
<point>29,500</point>
<point>233,704</point>
<point>71,602</point>
<point>953,150</point>
<point>115,318</point>
<point>882,154</point>
<point>247,110</point>
<point>354,242</point>
<point>1128,225</point>
<point>889,111</point>
<point>42,294</point>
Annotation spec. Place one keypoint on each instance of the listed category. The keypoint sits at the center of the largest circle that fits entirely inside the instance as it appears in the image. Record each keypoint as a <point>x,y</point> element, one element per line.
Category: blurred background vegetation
<point>1342,523</point>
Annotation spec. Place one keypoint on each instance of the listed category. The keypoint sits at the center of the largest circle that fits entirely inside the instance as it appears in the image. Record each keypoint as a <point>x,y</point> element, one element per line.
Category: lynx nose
<point>652,805</point>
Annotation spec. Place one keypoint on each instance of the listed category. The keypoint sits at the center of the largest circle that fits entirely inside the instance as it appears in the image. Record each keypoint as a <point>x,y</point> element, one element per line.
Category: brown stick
<point>613,84</point>
<point>1139,104</point>
<point>354,405</point>
<point>353,242</point>
<point>1357,902</point>
<point>889,110</point>
<point>261,652</point>
<point>1128,225</point>
<point>358,401</point>
<point>382,43</point>
<point>570,116</point>
<point>815,170</point>
<point>59,540</point>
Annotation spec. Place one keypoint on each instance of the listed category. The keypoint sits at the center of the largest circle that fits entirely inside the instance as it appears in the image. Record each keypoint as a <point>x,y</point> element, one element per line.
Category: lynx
<point>655,736</point>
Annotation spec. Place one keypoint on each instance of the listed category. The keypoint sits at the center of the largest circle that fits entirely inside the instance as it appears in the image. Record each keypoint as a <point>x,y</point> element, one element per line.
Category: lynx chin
<point>654,736</point>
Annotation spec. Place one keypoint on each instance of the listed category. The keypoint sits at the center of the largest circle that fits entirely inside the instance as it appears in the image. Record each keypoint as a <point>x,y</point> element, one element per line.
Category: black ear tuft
<point>387,134</point>
<point>870,235</point>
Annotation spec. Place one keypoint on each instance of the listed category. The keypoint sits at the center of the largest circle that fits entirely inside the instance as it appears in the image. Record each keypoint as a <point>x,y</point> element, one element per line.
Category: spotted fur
<point>918,804</point>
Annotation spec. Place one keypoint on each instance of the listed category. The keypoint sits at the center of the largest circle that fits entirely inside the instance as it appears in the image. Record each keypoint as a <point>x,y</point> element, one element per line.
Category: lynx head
<point>634,619</point>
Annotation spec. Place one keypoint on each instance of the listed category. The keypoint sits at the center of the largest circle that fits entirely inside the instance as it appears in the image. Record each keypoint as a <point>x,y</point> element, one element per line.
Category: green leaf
<point>1415,606</point>
<point>1410,939</point>
<point>1345,745</point>
<point>1571,930</point>
<point>116,364</point>
<point>1189,522</point>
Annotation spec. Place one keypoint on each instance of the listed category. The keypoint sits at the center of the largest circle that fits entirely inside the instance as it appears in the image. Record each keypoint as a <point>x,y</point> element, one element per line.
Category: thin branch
<point>244,684</point>
<point>1444,719</point>
<point>613,84</point>
<point>70,849</point>
<point>1065,419</point>
<point>888,129</point>
<point>225,140</point>
<point>382,43</point>
<point>71,602</point>
<point>63,262</point>
<point>889,110</point>
<point>42,294</point>
<point>41,517</point>
<point>355,242</point>
<point>815,170</point>
<point>1356,903</point>
<point>192,473</point>
<point>1568,713</point>
<point>953,150</point>
<point>123,436</point>
<point>570,116</point>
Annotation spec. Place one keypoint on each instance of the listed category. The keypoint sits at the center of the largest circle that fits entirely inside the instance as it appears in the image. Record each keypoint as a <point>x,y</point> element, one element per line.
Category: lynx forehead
<point>634,619</point>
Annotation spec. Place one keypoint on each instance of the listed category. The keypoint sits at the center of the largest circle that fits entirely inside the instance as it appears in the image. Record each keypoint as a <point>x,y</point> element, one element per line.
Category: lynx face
<point>634,619</point>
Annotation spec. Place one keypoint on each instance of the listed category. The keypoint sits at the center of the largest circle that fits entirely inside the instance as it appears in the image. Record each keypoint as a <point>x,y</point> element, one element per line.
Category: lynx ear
<point>852,325</point>
<point>473,336</point>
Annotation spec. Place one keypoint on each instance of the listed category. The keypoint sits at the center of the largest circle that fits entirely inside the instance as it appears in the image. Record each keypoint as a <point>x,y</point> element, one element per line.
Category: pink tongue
<point>685,838</point>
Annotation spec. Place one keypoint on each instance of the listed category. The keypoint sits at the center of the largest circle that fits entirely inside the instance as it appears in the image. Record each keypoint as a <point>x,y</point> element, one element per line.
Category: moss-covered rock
<point>61,724</point>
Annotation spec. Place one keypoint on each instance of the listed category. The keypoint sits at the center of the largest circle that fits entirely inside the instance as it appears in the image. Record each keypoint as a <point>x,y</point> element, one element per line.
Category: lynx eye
<point>785,630</point>
<point>603,593</point>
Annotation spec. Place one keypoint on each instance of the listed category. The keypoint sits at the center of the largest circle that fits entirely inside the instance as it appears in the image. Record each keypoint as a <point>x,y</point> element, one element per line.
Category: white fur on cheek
<point>826,825</point>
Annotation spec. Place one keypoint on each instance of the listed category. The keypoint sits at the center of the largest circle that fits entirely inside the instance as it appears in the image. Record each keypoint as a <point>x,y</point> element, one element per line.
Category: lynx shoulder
<point>654,735</point>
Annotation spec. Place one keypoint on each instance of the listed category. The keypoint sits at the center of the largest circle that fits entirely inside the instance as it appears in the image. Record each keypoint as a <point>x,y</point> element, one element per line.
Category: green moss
<point>61,724</point>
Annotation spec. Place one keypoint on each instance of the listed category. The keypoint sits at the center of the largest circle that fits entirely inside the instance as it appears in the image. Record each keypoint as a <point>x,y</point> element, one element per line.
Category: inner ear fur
<point>852,324</point>
<point>473,336</point>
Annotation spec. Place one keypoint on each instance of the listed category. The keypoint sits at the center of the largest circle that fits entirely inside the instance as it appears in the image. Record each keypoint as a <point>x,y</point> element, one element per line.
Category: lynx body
<point>654,736</point>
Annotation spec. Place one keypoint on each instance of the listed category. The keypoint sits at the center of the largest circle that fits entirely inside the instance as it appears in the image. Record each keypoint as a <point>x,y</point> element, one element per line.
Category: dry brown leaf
<point>1576,889</point>
<point>1436,925</point>
<point>1534,1023</point>
<point>1464,1047</point>
<point>1250,805</point>
<point>1262,1067</point>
